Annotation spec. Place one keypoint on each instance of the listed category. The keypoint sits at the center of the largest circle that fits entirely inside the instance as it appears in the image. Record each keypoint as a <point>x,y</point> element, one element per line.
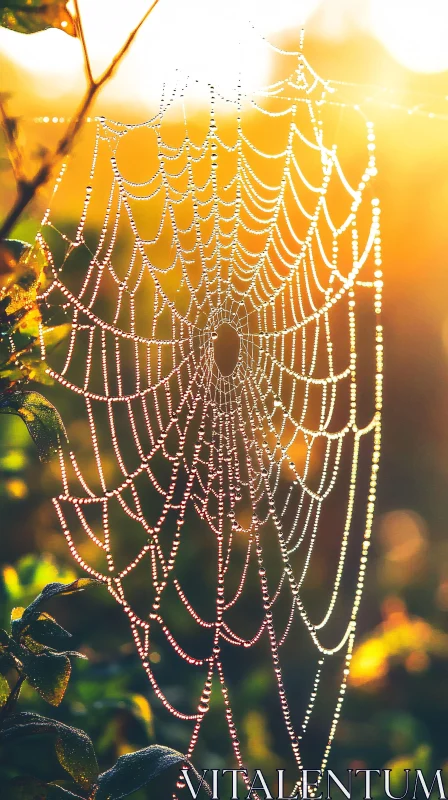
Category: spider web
<point>222,389</point>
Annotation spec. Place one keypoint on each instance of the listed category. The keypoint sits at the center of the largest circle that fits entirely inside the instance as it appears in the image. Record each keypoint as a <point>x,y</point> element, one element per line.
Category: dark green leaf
<point>30,16</point>
<point>46,630</point>
<point>34,789</point>
<point>9,376</point>
<point>23,718</point>
<point>53,336</point>
<point>7,659</point>
<point>40,417</point>
<point>74,748</point>
<point>16,247</point>
<point>135,770</point>
<point>4,638</point>
<point>32,613</point>
<point>77,755</point>
<point>34,647</point>
<point>8,733</point>
<point>7,662</point>
<point>48,673</point>
<point>4,690</point>
<point>25,789</point>
<point>25,265</point>
<point>11,251</point>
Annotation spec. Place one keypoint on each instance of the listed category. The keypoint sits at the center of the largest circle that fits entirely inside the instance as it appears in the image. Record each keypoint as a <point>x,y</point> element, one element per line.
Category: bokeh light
<point>415,32</point>
<point>201,38</point>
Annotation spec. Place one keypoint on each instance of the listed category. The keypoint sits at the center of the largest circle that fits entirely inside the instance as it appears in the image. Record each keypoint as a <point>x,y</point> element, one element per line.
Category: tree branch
<point>27,189</point>
<point>81,37</point>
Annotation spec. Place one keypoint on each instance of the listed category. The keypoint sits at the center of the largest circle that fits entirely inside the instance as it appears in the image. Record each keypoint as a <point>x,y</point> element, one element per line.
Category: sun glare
<point>206,39</point>
<point>414,32</point>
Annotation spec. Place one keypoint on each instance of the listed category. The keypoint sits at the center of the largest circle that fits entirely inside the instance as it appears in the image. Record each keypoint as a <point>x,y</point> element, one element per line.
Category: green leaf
<point>77,755</point>
<point>36,370</point>
<point>48,673</point>
<point>49,591</point>
<point>18,720</point>
<point>44,423</point>
<point>7,660</point>
<point>14,248</point>
<point>135,705</point>
<point>26,789</point>
<point>34,789</point>
<point>74,748</point>
<point>53,336</point>
<point>11,251</point>
<point>25,326</point>
<point>4,638</point>
<point>10,375</point>
<point>135,770</point>
<point>4,690</point>
<point>46,630</point>
<point>24,265</point>
<point>30,16</point>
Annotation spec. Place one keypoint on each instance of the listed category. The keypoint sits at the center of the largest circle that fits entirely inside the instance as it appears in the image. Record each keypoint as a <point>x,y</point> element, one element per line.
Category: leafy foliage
<point>21,583</point>
<point>134,771</point>
<point>22,274</point>
<point>40,417</point>
<point>33,614</point>
<point>30,16</point>
<point>33,651</point>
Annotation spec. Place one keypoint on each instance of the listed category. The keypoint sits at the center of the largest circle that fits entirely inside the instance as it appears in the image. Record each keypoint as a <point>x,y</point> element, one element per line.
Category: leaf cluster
<point>23,271</point>
<point>31,16</point>
<point>22,267</point>
<point>35,651</point>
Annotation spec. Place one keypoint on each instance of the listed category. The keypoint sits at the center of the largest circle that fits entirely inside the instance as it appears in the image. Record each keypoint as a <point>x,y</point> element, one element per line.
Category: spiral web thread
<point>236,235</point>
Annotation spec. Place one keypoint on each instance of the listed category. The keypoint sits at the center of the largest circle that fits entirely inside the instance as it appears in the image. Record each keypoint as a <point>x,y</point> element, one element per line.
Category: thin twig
<point>82,38</point>
<point>27,189</point>
<point>13,697</point>
<point>15,153</point>
<point>116,60</point>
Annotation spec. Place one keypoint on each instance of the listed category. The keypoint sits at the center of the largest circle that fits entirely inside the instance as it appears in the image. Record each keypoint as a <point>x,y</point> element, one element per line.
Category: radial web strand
<point>222,392</point>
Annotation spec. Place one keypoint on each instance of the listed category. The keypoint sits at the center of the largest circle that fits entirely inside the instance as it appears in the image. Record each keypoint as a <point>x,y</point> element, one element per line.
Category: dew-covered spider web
<point>222,391</point>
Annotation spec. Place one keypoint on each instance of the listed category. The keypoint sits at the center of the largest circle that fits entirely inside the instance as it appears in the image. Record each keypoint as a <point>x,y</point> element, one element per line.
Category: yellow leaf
<point>369,663</point>
<point>33,647</point>
<point>17,613</point>
<point>4,690</point>
<point>143,707</point>
<point>52,336</point>
<point>16,488</point>
<point>26,266</point>
<point>28,324</point>
<point>11,581</point>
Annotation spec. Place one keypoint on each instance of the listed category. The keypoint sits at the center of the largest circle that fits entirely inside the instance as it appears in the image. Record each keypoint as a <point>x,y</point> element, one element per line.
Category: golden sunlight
<point>221,40</point>
<point>414,32</point>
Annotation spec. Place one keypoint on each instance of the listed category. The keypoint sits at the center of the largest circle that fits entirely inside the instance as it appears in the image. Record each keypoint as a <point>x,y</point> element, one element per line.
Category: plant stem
<point>12,699</point>
<point>27,189</point>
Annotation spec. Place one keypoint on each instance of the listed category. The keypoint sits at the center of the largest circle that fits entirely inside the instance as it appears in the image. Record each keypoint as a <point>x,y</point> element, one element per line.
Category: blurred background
<point>389,57</point>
